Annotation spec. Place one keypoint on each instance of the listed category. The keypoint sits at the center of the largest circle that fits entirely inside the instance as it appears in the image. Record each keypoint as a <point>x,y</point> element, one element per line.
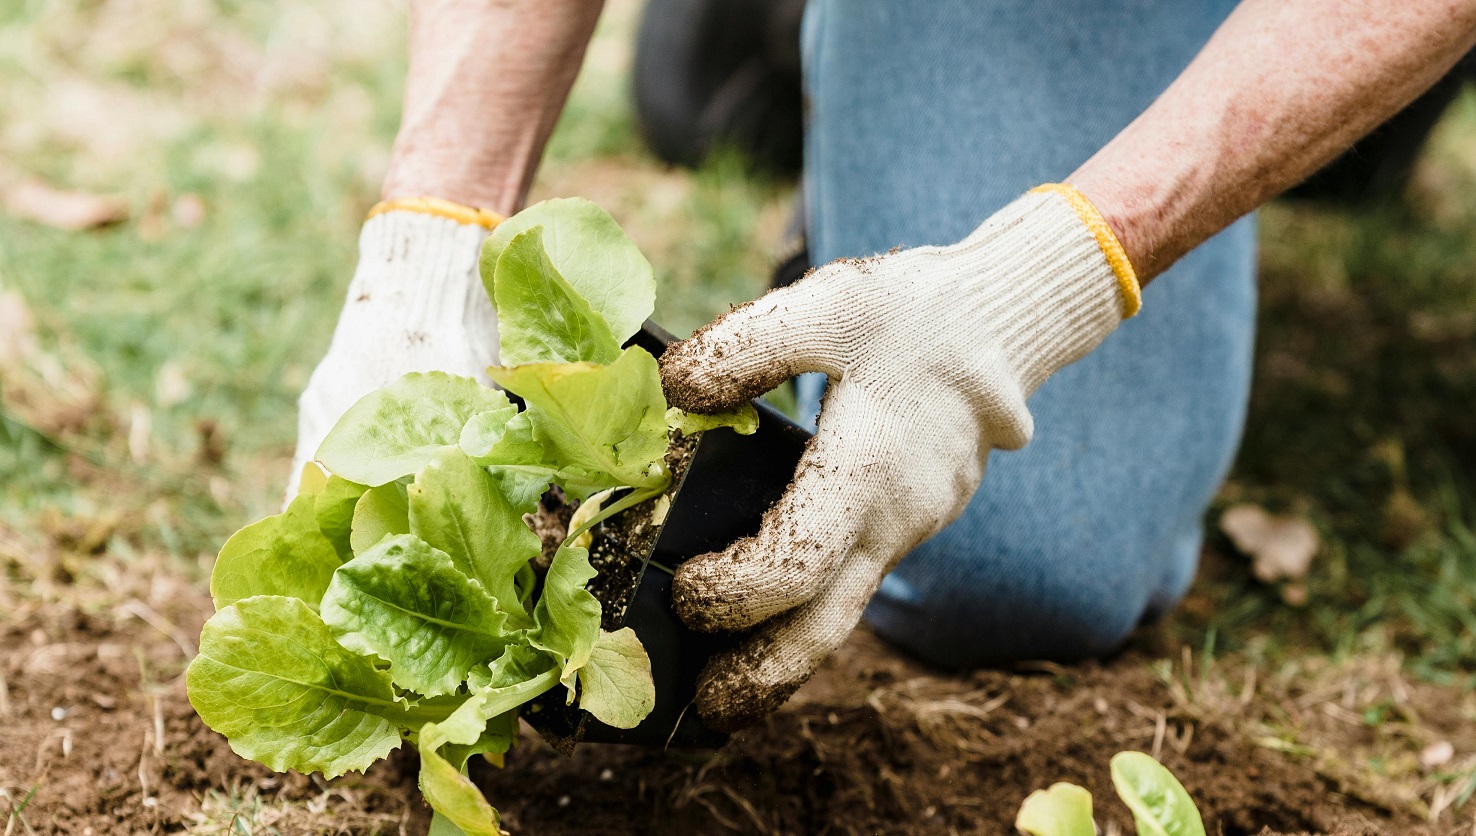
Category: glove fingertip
<point>731,695</point>
<point>699,597</point>
<point>725,362</point>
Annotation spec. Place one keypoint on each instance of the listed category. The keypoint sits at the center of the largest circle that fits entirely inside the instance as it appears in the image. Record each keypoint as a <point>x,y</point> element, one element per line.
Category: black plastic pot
<point>729,482</point>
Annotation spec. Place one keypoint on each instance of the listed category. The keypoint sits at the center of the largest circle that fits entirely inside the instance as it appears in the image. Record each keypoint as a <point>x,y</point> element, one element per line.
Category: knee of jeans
<point>959,608</point>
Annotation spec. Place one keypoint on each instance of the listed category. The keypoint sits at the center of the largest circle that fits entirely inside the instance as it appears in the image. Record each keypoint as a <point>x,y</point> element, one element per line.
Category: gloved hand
<point>415,304</point>
<point>931,354</point>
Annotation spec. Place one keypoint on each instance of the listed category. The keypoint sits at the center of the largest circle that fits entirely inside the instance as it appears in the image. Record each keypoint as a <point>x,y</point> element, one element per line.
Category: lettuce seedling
<point>1159,803</point>
<point>395,599</point>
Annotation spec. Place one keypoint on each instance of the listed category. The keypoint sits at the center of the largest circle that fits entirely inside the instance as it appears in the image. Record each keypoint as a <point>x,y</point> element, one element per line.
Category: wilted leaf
<point>1436,754</point>
<point>616,684</point>
<point>74,211</point>
<point>1280,547</point>
<point>743,419</point>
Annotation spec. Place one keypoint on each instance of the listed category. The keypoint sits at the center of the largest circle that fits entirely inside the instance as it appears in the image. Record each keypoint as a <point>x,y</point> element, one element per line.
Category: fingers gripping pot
<point>931,354</point>
<point>722,483</point>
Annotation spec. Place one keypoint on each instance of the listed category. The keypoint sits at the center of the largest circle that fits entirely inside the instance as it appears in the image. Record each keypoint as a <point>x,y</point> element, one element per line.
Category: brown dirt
<point>625,540</point>
<point>874,744</point>
<point>93,716</point>
<point>877,744</point>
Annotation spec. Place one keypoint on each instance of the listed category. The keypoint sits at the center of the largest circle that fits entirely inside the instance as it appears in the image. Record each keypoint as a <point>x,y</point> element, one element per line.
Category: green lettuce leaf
<point>450,793</point>
<point>392,432</point>
<point>540,318</point>
<point>615,685</point>
<point>311,478</point>
<point>407,603</point>
<point>604,426</point>
<point>567,614</point>
<point>526,583</point>
<point>1160,805</point>
<point>271,678</point>
<point>498,737</point>
<point>285,554</point>
<point>1062,810</point>
<point>380,512</point>
<point>485,429</point>
<point>334,509</point>
<point>742,419</point>
<point>515,460</point>
<point>592,253</point>
<point>456,507</point>
<point>442,826</point>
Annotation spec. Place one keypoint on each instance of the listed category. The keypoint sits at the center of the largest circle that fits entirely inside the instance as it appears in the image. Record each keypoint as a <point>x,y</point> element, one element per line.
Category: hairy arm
<point>487,81</point>
<point>1280,89</point>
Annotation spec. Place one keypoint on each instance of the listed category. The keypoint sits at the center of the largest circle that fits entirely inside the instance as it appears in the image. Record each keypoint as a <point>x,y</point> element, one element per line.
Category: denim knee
<point>960,604</point>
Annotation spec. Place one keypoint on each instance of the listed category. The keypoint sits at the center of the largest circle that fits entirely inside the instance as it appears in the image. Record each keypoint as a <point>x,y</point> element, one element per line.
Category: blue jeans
<point>926,117</point>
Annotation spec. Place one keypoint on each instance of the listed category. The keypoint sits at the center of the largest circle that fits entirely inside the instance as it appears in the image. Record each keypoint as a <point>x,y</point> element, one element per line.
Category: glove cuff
<point>423,266</point>
<point>1112,249</point>
<point>435,206</point>
<point>422,253</point>
<point>1068,281</point>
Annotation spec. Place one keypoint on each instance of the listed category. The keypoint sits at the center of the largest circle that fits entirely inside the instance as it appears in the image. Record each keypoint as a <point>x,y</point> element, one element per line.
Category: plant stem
<point>635,497</point>
<point>433,710</point>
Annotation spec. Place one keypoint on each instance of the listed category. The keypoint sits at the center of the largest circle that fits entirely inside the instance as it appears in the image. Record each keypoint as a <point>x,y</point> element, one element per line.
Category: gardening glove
<point>931,354</point>
<point>415,304</point>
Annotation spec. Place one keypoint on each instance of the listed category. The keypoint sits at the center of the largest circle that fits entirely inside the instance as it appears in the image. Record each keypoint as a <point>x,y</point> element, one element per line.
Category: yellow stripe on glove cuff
<point>1127,278</point>
<point>440,208</point>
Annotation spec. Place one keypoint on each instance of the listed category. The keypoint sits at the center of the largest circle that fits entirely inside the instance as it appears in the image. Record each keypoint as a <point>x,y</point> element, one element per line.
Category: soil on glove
<point>94,717</point>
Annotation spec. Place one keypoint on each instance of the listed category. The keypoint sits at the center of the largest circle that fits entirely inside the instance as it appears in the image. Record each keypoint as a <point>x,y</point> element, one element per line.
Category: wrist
<point>1129,211</point>
<point>456,174</point>
<point>1153,200</point>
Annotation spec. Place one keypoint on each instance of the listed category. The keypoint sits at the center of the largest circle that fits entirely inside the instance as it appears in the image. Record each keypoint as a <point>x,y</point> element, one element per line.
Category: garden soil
<point>93,716</point>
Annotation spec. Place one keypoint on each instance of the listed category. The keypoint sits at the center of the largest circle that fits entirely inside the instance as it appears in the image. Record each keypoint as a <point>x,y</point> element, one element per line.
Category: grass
<point>157,405</point>
<point>210,332</point>
<point>1360,417</point>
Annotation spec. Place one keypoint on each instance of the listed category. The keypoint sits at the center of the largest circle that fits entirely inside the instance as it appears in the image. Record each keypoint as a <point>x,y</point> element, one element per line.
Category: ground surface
<point>98,722</point>
<point>148,372</point>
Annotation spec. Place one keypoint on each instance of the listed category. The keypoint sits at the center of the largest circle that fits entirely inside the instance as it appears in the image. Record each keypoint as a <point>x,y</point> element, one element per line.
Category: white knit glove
<point>931,354</point>
<point>416,304</point>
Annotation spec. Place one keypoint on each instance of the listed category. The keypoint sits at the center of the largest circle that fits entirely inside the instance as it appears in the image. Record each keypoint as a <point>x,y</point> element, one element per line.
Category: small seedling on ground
<point>1159,803</point>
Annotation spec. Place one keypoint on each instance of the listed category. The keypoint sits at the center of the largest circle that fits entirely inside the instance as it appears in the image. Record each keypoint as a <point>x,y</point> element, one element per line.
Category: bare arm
<point>487,81</point>
<point>1280,89</point>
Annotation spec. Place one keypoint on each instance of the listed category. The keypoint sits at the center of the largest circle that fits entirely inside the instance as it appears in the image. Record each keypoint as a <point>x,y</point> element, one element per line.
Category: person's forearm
<point>487,81</point>
<point>1280,89</point>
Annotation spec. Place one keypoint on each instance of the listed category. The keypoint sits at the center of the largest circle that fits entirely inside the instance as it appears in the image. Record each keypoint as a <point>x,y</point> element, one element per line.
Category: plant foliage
<point>1159,803</point>
<point>396,598</point>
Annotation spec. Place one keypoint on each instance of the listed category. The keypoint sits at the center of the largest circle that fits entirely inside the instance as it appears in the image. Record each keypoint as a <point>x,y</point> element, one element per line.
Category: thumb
<point>739,686</point>
<point>753,348</point>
